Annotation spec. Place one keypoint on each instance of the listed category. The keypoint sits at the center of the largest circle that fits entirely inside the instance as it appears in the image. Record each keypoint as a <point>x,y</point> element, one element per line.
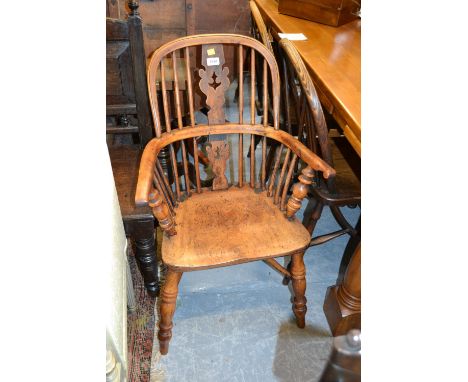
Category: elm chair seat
<point>231,227</point>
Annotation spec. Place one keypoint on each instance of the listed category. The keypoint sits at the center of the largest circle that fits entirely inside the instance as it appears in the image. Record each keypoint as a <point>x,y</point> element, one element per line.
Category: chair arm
<point>148,159</point>
<point>301,188</point>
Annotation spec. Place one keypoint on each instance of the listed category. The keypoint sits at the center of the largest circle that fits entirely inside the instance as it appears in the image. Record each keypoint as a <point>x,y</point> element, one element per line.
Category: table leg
<point>143,232</point>
<point>342,305</point>
<point>353,243</point>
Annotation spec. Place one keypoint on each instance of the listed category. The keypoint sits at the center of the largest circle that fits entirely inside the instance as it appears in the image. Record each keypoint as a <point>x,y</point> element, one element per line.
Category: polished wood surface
<point>230,227</point>
<point>333,57</point>
<point>208,227</point>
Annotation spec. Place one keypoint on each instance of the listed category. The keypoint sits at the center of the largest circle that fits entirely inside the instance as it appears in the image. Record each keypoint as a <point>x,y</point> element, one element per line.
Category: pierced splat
<point>214,81</point>
<point>218,153</point>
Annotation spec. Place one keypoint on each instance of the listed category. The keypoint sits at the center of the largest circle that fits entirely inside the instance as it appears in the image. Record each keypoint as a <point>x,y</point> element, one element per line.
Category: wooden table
<point>333,57</point>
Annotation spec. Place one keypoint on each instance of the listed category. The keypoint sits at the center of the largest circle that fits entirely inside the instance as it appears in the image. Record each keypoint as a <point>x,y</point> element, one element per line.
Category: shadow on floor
<point>300,354</point>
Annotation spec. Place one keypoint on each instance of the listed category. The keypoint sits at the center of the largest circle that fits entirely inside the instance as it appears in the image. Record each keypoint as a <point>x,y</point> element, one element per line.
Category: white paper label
<point>211,61</point>
<point>293,36</point>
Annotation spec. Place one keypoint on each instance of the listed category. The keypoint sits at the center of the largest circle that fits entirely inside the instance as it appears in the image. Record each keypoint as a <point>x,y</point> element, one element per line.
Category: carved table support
<point>342,305</point>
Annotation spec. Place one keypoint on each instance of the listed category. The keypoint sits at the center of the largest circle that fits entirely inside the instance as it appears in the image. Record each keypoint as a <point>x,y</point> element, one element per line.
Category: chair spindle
<point>166,183</point>
<point>159,185</point>
<point>263,170</point>
<point>168,128</point>
<point>279,151</point>
<point>252,117</point>
<point>180,122</point>
<point>265,93</point>
<point>287,181</point>
<point>281,178</point>
<point>265,120</point>
<point>241,115</point>
<point>192,117</point>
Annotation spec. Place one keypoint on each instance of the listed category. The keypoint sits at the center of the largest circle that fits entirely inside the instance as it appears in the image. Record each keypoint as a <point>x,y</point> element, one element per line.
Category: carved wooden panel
<point>214,81</point>
<point>218,154</point>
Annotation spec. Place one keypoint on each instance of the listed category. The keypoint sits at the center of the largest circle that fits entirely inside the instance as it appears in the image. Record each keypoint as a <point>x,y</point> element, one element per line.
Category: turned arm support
<point>299,192</point>
<point>161,212</point>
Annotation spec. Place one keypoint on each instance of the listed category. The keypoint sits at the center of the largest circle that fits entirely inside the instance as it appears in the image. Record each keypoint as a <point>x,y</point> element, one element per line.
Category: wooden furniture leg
<point>342,305</point>
<point>299,286</point>
<point>142,231</point>
<point>353,243</point>
<point>168,304</point>
<point>311,221</point>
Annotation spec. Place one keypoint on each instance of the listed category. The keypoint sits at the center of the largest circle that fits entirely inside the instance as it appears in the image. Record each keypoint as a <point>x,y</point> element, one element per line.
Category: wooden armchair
<point>304,108</point>
<point>237,220</point>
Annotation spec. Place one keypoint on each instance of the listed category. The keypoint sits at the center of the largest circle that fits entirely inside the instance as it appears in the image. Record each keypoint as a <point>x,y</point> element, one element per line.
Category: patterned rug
<point>140,329</point>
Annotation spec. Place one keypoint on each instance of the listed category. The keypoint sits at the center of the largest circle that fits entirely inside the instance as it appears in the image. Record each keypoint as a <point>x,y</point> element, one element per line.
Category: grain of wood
<point>230,227</point>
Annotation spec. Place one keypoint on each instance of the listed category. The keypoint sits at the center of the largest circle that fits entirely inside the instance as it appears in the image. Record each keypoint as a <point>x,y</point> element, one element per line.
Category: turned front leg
<point>168,304</point>
<point>298,273</point>
<point>299,192</point>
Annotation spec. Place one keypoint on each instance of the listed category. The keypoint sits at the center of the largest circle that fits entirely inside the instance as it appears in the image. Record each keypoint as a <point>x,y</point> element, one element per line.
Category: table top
<point>333,57</point>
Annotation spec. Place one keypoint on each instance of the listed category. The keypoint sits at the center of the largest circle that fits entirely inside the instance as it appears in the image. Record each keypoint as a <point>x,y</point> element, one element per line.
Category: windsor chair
<point>303,105</point>
<point>242,217</point>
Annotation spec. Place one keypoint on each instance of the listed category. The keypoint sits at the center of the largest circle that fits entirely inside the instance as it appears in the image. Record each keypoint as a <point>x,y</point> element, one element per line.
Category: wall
<point>115,287</point>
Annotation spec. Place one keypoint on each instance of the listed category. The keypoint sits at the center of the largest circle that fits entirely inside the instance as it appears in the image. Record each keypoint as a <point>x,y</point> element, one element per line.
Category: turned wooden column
<point>298,274</point>
<point>141,229</point>
<point>168,304</point>
<point>342,305</point>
